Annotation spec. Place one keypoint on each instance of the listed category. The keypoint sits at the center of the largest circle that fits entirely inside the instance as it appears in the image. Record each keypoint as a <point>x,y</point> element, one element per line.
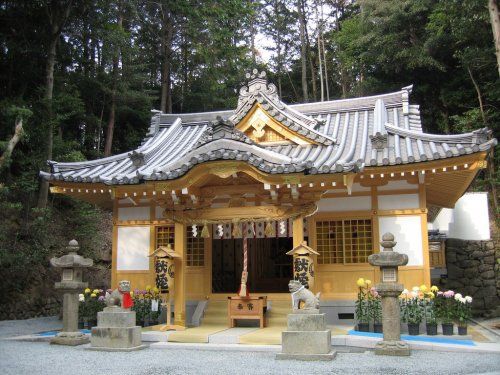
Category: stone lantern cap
<point>302,249</point>
<point>72,259</point>
<point>165,252</point>
<point>388,257</point>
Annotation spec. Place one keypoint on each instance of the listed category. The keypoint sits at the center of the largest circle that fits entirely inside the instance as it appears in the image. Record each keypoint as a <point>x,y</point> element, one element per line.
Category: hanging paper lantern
<point>204,232</point>
<point>303,264</point>
<point>269,231</point>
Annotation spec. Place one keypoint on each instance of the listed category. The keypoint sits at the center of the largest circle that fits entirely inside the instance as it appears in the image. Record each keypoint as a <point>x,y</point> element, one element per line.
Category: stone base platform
<point>70,339</point>
<point>306,337</point>
<point>116,331</point>
<point>307,357</point>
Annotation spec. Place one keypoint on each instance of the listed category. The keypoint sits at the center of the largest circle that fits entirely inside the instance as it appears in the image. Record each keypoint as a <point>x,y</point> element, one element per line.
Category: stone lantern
<point>303,264</point>
<point>71,284</point>
<point>389,290</point>
<point>164,269</point>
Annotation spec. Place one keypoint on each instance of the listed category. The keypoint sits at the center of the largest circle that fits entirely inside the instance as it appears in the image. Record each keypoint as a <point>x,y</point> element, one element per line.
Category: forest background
<point>79,78</point>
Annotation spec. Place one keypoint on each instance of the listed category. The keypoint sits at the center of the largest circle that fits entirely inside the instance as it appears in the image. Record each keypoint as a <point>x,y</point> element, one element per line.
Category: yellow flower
<point>423,288</point>
<point>361,282</point>
<point>95,291</point>
<point>430,295</point>
<point>93,295</point>
<point>131,294</point>
<point>368,282</point>
<point>156,290</point>
<point>148,287</point>
<point>434,288</point>
<point>87,291</point>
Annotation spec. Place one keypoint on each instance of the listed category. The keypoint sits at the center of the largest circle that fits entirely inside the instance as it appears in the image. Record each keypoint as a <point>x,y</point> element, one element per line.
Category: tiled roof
<point>348,135</point>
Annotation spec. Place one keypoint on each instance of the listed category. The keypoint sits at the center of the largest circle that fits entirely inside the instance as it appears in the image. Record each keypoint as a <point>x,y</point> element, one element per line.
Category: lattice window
<point>195,249</point>
<point>164,236</point>
<point>344,241</point>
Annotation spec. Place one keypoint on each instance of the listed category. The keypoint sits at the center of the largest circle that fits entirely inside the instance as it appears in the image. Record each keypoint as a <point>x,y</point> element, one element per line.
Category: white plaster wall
<point>133,248</point>
<point>398,202</point>
<point>133,213</point>
<point>469,220</point>
<point>345,204</point>
<point>397,185</point>
<point>408,235</point>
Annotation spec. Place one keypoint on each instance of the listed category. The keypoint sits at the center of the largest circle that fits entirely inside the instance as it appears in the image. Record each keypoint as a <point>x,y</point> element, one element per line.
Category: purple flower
<point>101,299</point>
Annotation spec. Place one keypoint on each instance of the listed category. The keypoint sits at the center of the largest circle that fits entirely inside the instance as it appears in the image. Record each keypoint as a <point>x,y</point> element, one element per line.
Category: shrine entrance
<point>269,268</point>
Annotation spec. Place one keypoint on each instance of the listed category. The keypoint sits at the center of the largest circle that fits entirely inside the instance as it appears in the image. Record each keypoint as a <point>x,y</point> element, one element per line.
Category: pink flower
<point>101,299</point>
<point>439,293</point>
<point>449,293</point>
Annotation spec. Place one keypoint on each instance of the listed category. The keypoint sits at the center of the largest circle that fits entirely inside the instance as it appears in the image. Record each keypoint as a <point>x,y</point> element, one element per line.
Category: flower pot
<point>364,327</point>
<point>432,329</point>
<point>377,328</point>
<point>414,329</point>
<point>462,331</point>
<point>447,329</point>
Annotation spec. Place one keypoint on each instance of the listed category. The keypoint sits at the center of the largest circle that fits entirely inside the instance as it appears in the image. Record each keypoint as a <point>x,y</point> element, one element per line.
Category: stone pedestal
<point>70,334</point>
<point>116,331</point>
<point>306,337</point>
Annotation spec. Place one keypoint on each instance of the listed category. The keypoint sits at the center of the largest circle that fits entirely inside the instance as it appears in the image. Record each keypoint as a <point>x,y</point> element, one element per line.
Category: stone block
<point>489,260</point>
<point>306,342</point>
<point>455,272</point>
<point>486,291</point>
<point>116,338</point>
<point>116,317</point>
<point>485,267</point>
<point>488,275</point>
<point>306,322</point>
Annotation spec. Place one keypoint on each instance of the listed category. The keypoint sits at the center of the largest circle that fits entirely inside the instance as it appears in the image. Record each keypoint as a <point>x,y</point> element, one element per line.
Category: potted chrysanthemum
<point>375,309</point>
<point>412,309</point>
<point>462,312</point>
<point>445,308</point>
<point>430,311</point>
<point>362,310</point>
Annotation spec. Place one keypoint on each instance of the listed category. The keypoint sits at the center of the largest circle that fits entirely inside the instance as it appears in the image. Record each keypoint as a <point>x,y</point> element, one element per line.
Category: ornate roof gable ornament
<point>222,129</point>
<point>265,94</point>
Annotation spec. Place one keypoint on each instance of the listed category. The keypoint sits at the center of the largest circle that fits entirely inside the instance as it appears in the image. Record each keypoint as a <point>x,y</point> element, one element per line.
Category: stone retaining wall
<point>473,269</point>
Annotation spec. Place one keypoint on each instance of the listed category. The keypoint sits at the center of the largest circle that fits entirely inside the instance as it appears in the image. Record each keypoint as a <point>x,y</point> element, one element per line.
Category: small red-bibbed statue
<point>120,297</point>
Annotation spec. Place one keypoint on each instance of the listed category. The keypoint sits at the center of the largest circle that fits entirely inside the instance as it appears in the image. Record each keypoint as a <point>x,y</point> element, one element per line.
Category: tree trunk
<point>112,110</point>
<point>479,96</point>
<point>495,26</point>
<point>12,143</point>
<point>57,18</point>
<point>166,44</point>
<point>303,49</point>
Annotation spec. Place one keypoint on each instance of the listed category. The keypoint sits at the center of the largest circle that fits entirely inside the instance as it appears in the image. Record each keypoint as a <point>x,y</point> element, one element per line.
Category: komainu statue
<point>301,294</point>
<point>120,297</point>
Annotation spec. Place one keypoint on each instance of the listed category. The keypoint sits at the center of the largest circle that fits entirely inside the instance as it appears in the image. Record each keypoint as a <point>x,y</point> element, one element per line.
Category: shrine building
<point>336,174</point>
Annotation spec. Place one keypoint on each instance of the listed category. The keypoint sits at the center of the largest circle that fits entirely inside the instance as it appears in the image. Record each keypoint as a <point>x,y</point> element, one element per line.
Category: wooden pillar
<point>180,241</point>
<point>298,231</point>
<point>425,235</point>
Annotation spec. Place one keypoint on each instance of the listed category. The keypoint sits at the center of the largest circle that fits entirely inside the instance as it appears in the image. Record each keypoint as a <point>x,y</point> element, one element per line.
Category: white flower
<point>81,298</point>
<point>415,289</point>
<point>462,300</point>
<point>414,294</point>
<point>458,296</point>
<point>468,299</point>
<point>405,291</point>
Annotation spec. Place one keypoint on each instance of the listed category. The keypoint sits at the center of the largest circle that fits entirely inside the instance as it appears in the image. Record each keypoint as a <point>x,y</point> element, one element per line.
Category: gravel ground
<point>41,358</point>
